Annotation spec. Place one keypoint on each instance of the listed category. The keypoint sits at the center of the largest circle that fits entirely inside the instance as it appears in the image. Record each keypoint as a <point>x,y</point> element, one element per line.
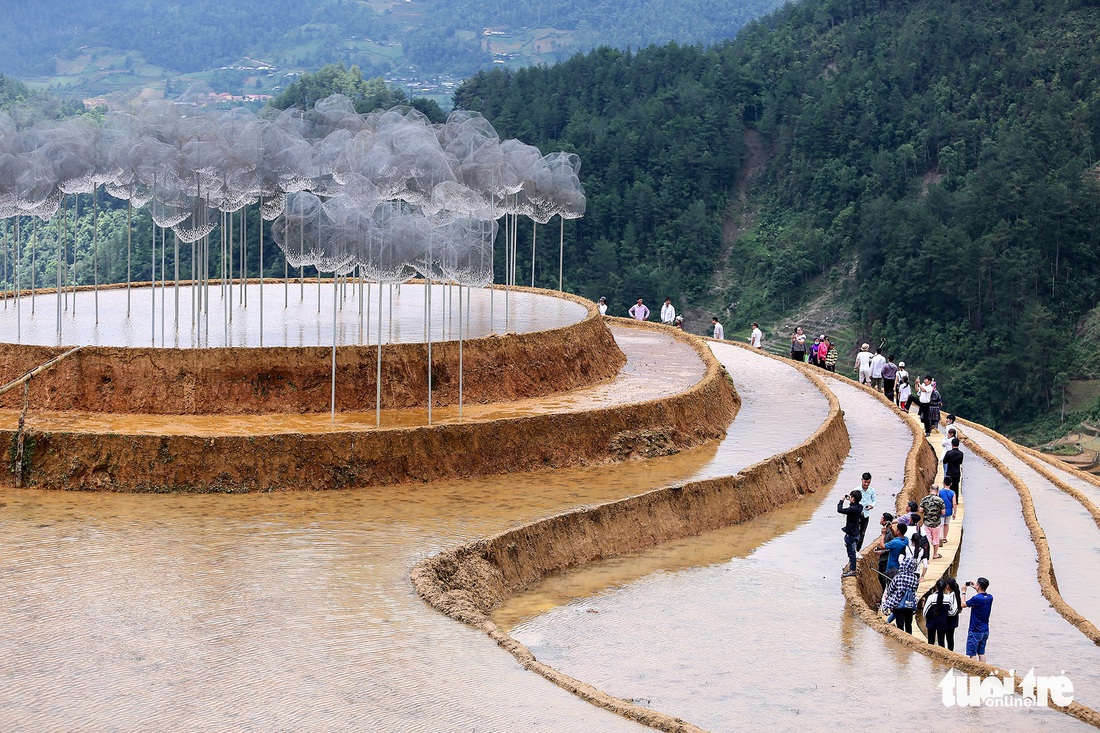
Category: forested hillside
<point>439,36</point>
<point>944,149</point>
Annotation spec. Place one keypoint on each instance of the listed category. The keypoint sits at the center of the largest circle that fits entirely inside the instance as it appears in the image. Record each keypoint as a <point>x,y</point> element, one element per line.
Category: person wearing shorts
<point>932,509</point>
<point>980,606</point>
<point>949,497</point>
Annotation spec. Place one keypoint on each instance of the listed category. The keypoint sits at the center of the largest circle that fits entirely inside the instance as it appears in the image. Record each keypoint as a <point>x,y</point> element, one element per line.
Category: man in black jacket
<point>952,466</point>
<point>853,513</point>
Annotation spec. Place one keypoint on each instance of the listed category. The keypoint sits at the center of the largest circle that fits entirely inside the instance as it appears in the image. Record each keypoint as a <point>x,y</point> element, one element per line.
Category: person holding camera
<point>980,606</point>
<point>798,345</point>
<point>853,515</point>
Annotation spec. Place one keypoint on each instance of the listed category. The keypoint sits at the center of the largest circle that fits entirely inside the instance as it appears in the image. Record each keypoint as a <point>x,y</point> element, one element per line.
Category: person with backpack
<point>941,613</point>
<point>932,509</point>
<point>918,548</point>
<point>900,597</point>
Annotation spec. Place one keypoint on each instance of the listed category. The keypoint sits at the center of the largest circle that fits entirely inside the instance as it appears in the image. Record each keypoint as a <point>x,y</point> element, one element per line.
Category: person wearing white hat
<point>863,364</point>
<point>602,305</point>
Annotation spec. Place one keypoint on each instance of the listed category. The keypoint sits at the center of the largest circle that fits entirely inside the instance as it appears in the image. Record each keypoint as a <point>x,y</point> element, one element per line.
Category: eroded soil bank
<point>275,459</point>
<point>468,582</point>
<point>239,380</point>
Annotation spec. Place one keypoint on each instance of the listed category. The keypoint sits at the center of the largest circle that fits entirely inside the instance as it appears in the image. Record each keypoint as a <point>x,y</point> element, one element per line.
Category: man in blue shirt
<point>980,606</point>
<point>892,544</point>
<point>948,496</point>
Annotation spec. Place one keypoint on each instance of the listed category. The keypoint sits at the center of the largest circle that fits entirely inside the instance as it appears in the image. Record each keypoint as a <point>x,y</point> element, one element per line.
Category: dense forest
<point>931,165</point>
<point>944,153</point>
<point>439,36</point>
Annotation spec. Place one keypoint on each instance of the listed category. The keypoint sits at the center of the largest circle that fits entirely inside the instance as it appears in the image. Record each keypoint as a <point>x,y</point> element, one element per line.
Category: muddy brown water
<point>1071,535</point>
<point>1025,631</point>
<point>285,612</point>
<point>293,316</point>
<point>657,366</point>
<point>762,632</point>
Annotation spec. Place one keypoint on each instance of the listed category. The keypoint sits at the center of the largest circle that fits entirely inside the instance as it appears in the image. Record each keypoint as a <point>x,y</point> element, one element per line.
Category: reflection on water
<point>758,432</point>
<point>1070,530</point>
<point>1024,631</point>
<point>293,315</point>
<point>657,366</point>
<point>763,634</point>
<point>279,612</point>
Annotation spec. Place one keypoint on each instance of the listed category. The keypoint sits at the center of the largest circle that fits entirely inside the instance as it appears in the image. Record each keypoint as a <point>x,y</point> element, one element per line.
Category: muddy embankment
<point>864,592</point>
<point>467,583</point>
<point>296,380</point>
<point>300,461</point>
<point>1048,581</point>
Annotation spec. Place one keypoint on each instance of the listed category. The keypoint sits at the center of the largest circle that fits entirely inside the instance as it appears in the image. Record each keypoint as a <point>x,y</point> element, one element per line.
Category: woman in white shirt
<point>901,386</point>
<point>925,396</point>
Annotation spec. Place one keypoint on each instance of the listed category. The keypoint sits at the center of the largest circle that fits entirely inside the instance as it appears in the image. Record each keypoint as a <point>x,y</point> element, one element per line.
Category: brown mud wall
<point>1041,465</point>
<point>1048,582</point>
<point>298,461</point>
<point>921,470</point>
<point>863,592</point>
<point>296,380</point>
<point>467,583</point>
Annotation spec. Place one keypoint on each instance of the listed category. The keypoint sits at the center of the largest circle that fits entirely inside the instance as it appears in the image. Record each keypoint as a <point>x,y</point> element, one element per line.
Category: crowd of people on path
<point>907,542</point>
<point>905,545</point>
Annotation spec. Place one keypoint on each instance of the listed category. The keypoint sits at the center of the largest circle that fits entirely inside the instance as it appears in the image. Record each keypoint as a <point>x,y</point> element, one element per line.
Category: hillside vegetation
<point>940,150</point>
<point>139,39</point>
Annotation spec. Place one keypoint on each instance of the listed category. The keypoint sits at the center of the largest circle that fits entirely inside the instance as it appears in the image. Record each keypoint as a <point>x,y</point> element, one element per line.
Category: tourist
<point>679,322</point>
<point>947,493</point>
<point>901,386</point>
<point>952,466</point>
<point>924,397</point>
<point>602,305</point>
<point>868,502</point>
<point>889,373</point>
<point>831,355</point>
<point>878,363</point>
<point>668,313</point>
<point>951,434</point>
<point>980,607</point>
<point>852,513</point>
<point>863,364</point>
<point>719,332</point>
<point>917,549</point>
<point>798,344</point>
<point>891,546</point>
<point>932,508</point>
<point>756,338</point>
<point>934,406</point>
<point>941,613</point>
<point>949,424</point>
<point>639,311</point>
<point>813,351</point>
<point>900,598</point>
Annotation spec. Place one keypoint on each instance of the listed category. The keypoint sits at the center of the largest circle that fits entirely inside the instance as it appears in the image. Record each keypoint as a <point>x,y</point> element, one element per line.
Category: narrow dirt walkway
<point>765,635</point>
